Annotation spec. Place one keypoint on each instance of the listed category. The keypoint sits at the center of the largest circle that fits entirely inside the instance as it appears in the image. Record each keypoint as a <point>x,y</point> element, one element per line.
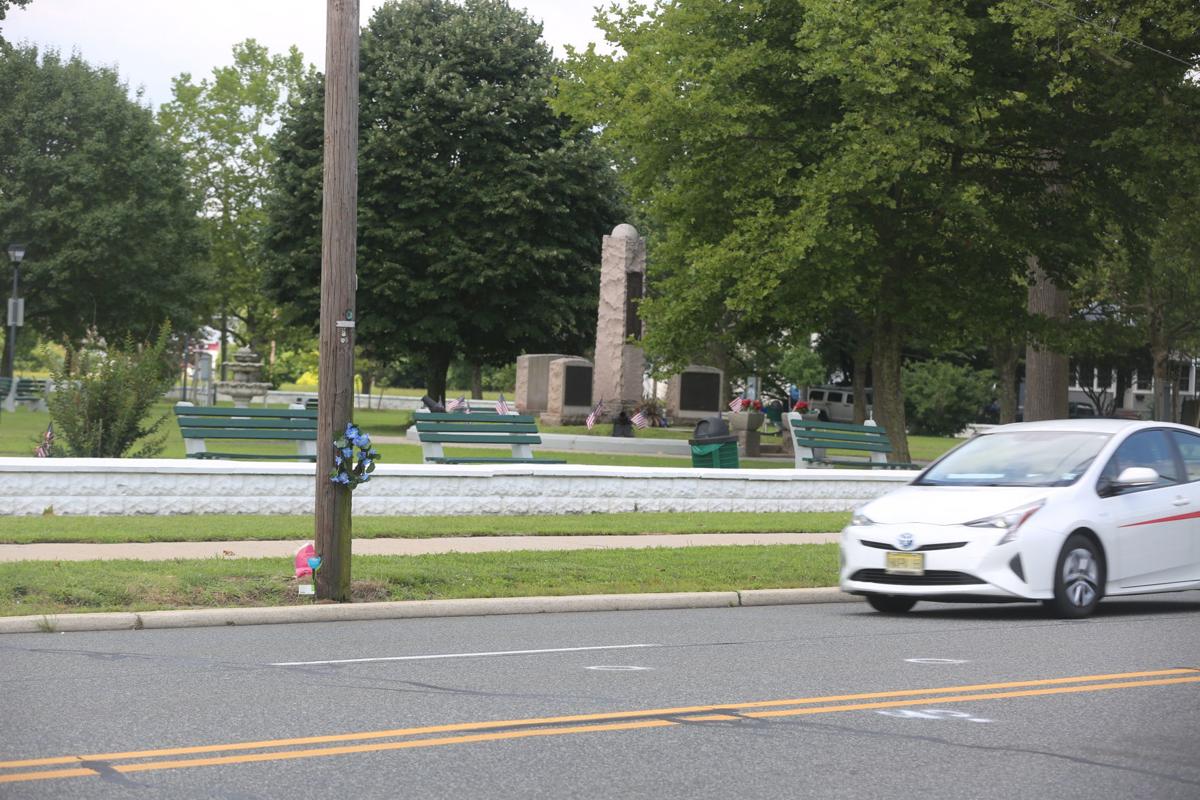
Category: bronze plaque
<point>577,386</point>
<point>699,391</point>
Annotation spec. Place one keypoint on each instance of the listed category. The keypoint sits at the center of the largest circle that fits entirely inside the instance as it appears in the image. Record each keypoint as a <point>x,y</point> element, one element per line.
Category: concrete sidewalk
<point>163,551</point>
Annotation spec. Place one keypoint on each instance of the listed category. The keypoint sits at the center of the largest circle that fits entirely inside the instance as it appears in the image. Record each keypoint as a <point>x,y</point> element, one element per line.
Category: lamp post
<point>16,310</point>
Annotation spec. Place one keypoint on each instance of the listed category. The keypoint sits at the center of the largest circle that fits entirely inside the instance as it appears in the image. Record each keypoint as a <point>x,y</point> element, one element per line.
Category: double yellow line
<point>497,730</point>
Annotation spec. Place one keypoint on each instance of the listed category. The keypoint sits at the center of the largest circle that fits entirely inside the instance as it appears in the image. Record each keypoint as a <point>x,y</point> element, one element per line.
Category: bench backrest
<point>476,428</point>
<point>211,422</point>
<point>839,435</point>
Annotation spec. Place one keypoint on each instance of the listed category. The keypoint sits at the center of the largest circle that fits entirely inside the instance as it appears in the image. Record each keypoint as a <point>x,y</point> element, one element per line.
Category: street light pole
<point>16,252</point>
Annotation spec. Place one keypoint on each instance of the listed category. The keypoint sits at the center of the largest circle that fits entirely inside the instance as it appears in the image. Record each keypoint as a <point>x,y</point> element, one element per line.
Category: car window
<point>850,399</point>
<point>1017,458</point>
<point>1189,448</point>
<point>835,397</point>
<point>816,394</point>
<point>1144,449</point>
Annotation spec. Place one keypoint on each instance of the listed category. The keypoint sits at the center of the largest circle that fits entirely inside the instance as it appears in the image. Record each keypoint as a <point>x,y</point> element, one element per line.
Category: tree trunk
<point>224,339</point>
<point>1162,382</point>
<point>367,380</point>
<point>1046,372</point>
<point>435,375</point>
<point>889,395</point>
<point>862,357</point>
<point>476,382</point>
<point>1007,358</point>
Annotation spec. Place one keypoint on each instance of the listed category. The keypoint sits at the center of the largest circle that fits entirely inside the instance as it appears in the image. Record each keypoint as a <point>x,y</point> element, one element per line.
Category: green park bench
<point>198,423</point>
<point>814,438</point>
<point>436,429</point>
<point>29,392</point>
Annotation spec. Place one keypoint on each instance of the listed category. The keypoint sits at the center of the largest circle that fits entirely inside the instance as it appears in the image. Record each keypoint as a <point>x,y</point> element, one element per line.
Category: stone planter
<point>746,420</point>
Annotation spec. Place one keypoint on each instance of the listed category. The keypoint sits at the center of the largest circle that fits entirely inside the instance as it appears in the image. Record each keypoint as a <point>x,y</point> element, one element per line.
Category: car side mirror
<point>1135,477</point>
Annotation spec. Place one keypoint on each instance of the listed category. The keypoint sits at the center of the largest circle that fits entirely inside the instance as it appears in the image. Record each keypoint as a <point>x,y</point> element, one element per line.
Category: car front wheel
<point>890,603</point>
<point>1078,579</point>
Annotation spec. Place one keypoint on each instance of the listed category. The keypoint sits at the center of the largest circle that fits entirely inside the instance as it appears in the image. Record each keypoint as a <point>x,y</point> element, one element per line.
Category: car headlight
<point>860,519</point>
<point>1009,522</point>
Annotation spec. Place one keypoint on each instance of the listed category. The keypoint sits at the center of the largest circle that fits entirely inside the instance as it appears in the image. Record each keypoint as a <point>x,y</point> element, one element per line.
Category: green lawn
<point>215,528</point>
<point>49,587</point>
<point>21,430</point>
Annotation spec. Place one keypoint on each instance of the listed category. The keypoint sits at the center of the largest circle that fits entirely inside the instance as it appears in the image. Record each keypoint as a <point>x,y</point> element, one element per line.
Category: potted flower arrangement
<point>747,414</point>
<point>804,410</point>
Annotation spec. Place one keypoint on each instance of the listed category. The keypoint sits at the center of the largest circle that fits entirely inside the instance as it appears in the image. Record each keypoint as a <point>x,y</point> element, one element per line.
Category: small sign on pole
<point>16,312</point>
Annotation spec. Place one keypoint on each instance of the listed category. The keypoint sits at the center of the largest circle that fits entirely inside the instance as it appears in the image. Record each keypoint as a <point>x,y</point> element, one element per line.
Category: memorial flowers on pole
<point>351,469</point>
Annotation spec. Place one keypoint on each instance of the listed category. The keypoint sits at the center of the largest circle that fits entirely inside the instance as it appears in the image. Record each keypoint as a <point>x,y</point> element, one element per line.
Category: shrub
<point>940,398</point>
<point>102,397</point>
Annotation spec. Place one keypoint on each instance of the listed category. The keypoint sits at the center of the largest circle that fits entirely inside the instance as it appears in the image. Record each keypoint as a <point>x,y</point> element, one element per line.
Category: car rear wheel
<point>1078,579</point>
<point>890,603</point>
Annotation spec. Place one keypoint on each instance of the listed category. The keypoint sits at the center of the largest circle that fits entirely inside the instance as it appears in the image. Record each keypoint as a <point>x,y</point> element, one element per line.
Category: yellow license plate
<point>904,563</point>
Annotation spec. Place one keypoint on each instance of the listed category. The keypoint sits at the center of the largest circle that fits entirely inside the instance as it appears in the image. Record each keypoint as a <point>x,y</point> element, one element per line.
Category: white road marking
<point>931,713</point>
<point>618,668</point>
<point>461,655</point>
<point>937,661</point>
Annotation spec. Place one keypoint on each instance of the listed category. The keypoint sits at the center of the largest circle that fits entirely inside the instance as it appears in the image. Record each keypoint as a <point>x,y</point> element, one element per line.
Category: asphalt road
<point>822,701</point>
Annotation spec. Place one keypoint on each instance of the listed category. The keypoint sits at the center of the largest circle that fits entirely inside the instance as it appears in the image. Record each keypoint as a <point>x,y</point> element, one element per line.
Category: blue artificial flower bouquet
<point>347,469</point>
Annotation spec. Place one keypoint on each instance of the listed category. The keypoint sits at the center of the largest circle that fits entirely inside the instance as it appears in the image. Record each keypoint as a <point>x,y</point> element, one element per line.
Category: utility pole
<point>339,227</point>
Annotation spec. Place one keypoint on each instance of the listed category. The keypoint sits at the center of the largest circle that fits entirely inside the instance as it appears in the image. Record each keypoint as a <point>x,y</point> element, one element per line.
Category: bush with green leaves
<point>103,396</point>
<point>941,398</point>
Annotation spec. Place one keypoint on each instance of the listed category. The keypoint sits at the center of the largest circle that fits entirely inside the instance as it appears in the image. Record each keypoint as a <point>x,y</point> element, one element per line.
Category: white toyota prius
<point>1066,512</point>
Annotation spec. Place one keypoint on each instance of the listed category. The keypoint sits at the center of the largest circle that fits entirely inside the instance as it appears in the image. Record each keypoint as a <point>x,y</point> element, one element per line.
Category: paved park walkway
<point>164,551</point>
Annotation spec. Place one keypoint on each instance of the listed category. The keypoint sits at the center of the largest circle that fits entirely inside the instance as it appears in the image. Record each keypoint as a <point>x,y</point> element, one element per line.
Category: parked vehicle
<point>835,403</point>
<point>1062,511</point>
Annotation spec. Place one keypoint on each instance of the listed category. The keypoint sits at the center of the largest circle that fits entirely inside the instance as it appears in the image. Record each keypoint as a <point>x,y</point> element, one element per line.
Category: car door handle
<point>1180,501</point>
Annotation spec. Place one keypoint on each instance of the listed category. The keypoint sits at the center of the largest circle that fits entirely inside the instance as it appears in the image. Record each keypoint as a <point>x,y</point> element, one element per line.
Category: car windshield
<point>1018,458</point>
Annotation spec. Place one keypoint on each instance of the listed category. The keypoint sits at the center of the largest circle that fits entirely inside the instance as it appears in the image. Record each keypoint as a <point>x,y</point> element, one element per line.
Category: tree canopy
<point>480,213</point>
<point>223,126</point>
<point>87,183</point>
<point>891,166</point>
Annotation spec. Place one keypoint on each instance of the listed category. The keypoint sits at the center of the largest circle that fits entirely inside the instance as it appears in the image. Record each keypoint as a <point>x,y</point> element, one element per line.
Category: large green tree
<point>903,164</point>
<point>89,185</point>
<point>223,125</point>
<point>480,214</point>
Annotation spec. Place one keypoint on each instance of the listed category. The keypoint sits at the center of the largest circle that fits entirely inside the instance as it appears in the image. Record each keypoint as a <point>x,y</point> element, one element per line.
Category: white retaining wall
<point>180,486</point>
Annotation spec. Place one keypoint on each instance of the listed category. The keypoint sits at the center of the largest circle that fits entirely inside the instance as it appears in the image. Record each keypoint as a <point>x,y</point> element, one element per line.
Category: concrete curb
<point>411,609</point>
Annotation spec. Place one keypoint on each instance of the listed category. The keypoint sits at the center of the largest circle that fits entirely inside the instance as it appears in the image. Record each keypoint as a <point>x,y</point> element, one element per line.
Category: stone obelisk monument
<point>619,366</point>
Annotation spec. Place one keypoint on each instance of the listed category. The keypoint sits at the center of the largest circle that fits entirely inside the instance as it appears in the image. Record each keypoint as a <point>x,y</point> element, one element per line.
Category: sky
<point>152,41</point>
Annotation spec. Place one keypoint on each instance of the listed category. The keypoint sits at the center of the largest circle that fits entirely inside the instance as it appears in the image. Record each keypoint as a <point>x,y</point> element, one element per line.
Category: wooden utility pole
<point>339,229</point>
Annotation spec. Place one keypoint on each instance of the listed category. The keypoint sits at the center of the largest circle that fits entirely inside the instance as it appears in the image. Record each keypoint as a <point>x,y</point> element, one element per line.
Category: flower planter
<point>746,420</point>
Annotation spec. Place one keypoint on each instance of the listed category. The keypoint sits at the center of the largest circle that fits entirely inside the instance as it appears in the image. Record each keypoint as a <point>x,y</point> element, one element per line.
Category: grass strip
<point>220,528</point>
<point>50,587</point>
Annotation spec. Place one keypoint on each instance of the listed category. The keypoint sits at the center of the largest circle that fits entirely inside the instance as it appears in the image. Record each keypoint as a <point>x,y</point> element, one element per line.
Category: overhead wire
<point>1122,36</point>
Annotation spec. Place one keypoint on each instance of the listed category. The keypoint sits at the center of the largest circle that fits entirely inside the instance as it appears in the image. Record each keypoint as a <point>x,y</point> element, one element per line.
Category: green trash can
<point>718,452</point>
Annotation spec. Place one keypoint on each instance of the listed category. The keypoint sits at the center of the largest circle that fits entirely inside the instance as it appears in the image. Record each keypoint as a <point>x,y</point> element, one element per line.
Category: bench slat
<point>252,424</point>
<point>480,438</point>
<point>474,416</point>
<point>874,447</point>
<point>218,411</point>
<point>486,427</point>
<point>212,433</point>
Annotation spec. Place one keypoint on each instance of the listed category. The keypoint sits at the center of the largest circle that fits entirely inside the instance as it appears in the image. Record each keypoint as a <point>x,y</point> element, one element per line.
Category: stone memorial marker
<point>533,381</point>
<point>695,394</point>
<point>569,391</point>
<point>620,366</point>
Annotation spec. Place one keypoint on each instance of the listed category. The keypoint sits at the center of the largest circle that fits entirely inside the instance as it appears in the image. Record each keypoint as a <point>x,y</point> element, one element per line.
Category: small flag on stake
<point>639,419</point>
<point>595,415</point>
<point>735,404</point>
<point>459,405</point>
<point>501,405</point>
<point>43,449</point>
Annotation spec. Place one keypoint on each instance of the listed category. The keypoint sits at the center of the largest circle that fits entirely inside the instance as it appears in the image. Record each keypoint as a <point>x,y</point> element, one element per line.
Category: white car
<point>1064,511</point>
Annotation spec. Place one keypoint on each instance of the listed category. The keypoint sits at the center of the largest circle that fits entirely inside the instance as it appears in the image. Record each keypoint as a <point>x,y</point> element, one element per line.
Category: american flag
<point>595,415</point>
<point>43,449</point>
<point>640,420</point>
<point>501,405</point>
<point>459,405</point>
<point>735,404</point>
